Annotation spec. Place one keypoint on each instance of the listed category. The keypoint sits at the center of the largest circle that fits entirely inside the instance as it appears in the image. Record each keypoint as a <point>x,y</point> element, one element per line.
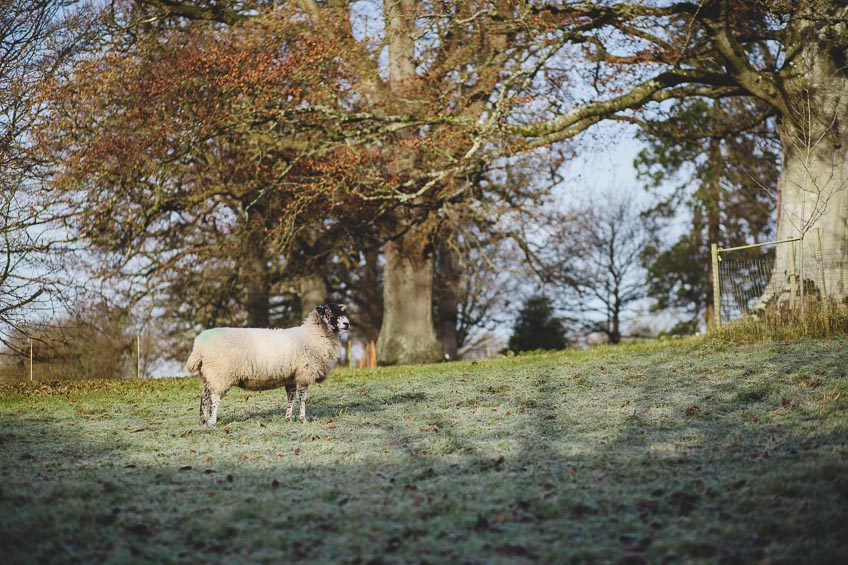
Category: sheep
<point>264,359</point>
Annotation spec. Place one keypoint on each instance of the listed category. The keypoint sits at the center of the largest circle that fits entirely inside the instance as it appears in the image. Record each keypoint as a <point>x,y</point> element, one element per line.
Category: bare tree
<point>477,289</point>
<point>604,278</point>
<point>35,36</point>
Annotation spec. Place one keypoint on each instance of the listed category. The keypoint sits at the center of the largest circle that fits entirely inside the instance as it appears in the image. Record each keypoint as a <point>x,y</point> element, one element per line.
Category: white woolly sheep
<point>264,359</point>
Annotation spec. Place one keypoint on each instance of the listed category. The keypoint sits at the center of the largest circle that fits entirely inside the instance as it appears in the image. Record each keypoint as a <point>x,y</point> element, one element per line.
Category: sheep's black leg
<point>301,394</point>
<point>290,397</point>
<point>204,401</point>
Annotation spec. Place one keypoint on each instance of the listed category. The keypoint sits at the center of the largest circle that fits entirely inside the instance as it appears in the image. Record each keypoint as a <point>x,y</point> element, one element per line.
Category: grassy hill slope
<point>643,452</point>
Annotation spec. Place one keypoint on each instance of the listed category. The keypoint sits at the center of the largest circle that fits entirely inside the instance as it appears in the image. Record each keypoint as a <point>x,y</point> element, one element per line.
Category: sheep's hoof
<point>304,420</point>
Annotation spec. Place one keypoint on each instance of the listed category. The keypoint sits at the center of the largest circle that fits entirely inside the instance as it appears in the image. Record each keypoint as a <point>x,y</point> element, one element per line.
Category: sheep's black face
<point>334,316</point>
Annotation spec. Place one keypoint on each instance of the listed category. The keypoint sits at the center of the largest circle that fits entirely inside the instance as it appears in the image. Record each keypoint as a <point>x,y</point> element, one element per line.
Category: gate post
<point>716,286</point>
<point>793,279</point>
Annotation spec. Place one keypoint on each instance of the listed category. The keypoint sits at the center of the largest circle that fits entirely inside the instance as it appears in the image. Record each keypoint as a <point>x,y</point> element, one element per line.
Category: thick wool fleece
<point>261,359</point>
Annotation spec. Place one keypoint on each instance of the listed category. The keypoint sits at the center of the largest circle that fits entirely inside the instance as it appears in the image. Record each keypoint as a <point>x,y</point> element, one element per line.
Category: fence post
<point>844,258</point>
<point>30,359</point>
<point>820,261</point>
<point>138,356</point>
<point>716,286</point>
<point>793,279</point>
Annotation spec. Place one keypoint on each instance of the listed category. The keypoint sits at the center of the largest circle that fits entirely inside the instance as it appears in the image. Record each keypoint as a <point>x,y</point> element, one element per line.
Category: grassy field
<point>676,451</point>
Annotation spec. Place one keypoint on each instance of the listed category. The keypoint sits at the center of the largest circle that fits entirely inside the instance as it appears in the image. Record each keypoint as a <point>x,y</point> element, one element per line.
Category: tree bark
<point>615,333</point>
<point>254,272</point>
<point>370,299</point>
<point>312,291</point>
<point>447,301</point>
<point>257,304</point>
<point>407,335</point>
<point>814,175</point>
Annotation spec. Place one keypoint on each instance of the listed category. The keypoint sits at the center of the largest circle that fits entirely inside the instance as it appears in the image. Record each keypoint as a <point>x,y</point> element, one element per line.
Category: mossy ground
<point>646,452</point>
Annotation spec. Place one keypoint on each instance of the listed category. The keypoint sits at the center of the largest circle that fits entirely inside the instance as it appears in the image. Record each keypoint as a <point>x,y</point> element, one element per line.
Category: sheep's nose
<point>345,325</point>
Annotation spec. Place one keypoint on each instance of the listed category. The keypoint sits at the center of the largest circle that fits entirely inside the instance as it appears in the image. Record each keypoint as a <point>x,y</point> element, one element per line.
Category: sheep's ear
<point>342,307</point>
<point>320,310</point>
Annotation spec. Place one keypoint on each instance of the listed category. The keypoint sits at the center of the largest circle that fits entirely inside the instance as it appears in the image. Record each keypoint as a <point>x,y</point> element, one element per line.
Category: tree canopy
<point>226,154</point>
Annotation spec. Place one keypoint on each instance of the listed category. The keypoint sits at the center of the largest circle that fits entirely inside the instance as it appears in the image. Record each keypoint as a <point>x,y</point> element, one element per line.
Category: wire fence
<point>742,284</point>
<point>800,276</point>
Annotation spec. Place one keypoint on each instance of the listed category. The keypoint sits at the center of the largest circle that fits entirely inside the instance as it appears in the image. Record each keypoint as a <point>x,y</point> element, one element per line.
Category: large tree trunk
<point>254,270</point>
<point>814,177</point>
<point>407,335</point>
<point>312,291</point>
<point>369,296</point>
<point>447,300</point>
<point>257,304</point>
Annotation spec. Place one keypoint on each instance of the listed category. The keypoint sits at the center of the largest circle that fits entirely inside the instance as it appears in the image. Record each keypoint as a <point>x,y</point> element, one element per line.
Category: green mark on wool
<point>209,334</point>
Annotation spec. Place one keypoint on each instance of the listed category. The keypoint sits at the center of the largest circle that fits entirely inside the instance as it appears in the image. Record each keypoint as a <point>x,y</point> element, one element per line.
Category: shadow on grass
<point>323,410</point>
<point>736,469</point>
